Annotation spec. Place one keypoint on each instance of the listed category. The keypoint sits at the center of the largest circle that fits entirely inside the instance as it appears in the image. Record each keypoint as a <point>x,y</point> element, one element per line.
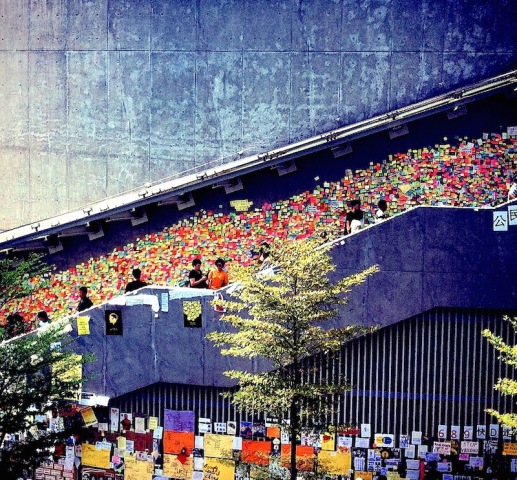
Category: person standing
<point>512,190</point>
<point>380,214</point>
<point>264,260</point>
<point>218,278</point>
<point>196,277</point>
<point>84,301</point>
<point>42,318</point>
<point>355,213</point>
<point>136,283</point>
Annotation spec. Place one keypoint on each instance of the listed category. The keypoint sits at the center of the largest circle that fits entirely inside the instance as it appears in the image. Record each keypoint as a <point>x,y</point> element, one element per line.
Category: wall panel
<point>431,369</point>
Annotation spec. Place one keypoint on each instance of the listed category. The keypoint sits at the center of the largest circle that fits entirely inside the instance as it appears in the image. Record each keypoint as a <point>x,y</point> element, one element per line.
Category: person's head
<point>83,292</point>
<point>358,215</point>
<point>355,204</point>
<point>264,251</point>
<point>383,205</point>
<point>15,317</point>
<point>137,273</point>
<point>219,263</point>
<point>42,316</point>
<point>196,263</point>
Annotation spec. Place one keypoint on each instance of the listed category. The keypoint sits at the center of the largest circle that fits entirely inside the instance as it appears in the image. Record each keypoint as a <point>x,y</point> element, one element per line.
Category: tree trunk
<point>295,428</point>
<point>295,416</point>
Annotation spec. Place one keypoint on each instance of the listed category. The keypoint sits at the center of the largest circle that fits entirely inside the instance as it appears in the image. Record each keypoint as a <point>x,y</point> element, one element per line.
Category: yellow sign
<point>174,468</point>
<point>510,448</point>
<point>328,442</point>
<point>334,463</point>
<point>153,423</point>
<point>363,475</point>
<point>83,325</point>
<point>137,470</point>
<point>393,476</point>
<point>121,443</point>
<point>216,469</point>
<point>241,205</point>
<point>95,458</point>
<point>89,418</point>
<point>218,446</point>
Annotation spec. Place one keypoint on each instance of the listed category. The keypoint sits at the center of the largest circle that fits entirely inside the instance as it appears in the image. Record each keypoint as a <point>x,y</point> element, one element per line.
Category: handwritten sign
<point>443,448</point>
<point>83,325</point>
<point>178,420</point>
<point>241,205</point>
<point>509,448</point>
<point>469,447</point>
<point>216,469</point>
<point>256,452</point>
<point>93,457</point>
<point>177,468</point>
<point>175,442</point>
<point>334,463</point>
<point>218,446</point>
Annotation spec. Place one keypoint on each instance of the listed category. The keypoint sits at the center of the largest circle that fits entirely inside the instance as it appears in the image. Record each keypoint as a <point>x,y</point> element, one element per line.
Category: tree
<point>285,315</point>
<point>20,278</point>
<point>507,386</point>
<point>37,371</point>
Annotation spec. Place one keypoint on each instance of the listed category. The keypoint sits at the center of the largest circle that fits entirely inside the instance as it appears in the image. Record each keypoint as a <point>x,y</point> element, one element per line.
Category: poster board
<point>174,442</point>
<point>218,446</point>
<point>255,452</point>
<point>92,457</point>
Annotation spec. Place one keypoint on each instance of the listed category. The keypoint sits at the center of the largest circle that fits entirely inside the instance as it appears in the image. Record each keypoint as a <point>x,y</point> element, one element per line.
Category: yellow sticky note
<point>153,423</point>
<point>121,443</point>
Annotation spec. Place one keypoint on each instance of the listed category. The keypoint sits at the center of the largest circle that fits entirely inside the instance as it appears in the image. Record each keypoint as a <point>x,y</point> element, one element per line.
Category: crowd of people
<point>471,173</point>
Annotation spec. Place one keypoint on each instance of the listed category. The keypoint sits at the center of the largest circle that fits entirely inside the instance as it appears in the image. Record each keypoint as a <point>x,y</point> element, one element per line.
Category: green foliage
<point>286,316</point>
<point>37,371</point>
<point>19,279</point>
<point>507,386</point>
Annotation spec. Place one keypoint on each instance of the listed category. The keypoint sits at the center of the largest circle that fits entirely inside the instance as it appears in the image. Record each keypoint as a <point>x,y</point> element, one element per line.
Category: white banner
<point>469,447</point>
<point>443,448</point>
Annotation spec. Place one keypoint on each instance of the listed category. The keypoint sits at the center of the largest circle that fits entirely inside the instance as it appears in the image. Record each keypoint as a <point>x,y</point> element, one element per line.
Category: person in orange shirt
<point>218,278</point>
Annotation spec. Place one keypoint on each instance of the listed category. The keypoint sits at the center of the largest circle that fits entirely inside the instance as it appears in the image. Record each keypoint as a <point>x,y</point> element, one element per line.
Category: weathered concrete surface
<point>99,96</point>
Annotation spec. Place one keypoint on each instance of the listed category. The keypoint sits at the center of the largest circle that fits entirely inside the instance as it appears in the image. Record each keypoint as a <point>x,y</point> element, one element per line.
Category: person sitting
<point>218,278</point>
<point>84,301</point>
<point>136,283</point>
<point>196,277</point>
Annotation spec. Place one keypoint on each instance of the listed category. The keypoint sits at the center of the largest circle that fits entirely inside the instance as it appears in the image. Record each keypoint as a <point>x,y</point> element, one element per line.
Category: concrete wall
<point>431,257</point>
<point>99,96</point>
<point>428,257</point>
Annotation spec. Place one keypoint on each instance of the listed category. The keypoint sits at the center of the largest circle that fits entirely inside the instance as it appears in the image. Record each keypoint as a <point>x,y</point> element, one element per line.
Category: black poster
<point>113,322</point>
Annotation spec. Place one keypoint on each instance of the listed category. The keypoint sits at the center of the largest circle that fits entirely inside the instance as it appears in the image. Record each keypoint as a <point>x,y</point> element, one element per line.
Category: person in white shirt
<point>512,191</point>
<point>380,214</point>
